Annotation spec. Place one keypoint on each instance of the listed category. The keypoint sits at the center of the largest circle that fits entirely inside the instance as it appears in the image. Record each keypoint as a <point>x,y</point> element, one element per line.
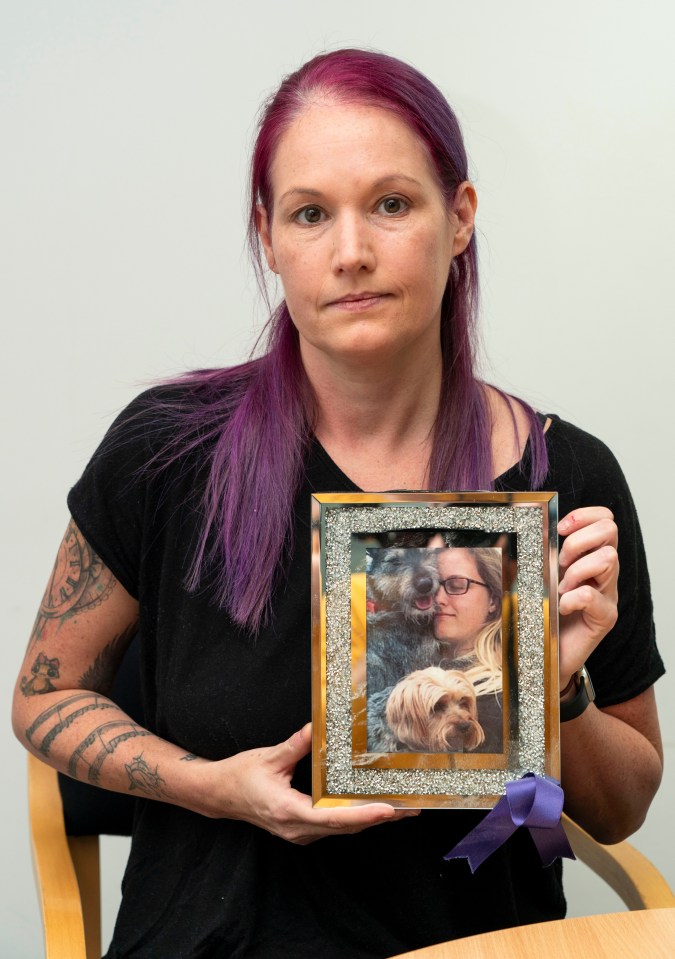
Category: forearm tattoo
<point>101,673</point>
<point>143,778</point>
<point>88,757</point>
<point>98,745</point>
<point>79,581</point>
<point>53,721</point>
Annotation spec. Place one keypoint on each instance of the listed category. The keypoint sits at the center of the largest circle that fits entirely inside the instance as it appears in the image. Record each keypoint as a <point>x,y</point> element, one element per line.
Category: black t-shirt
<point>197,888</point>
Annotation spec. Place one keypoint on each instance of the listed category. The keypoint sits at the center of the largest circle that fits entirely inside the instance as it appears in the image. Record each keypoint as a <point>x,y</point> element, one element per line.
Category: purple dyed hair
<point>259,417</point>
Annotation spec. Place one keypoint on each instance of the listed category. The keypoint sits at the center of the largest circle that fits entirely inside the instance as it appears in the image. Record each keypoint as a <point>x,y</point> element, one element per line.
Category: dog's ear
<point>395,713</point>
<point>476,736</point>
<point>402,712</point>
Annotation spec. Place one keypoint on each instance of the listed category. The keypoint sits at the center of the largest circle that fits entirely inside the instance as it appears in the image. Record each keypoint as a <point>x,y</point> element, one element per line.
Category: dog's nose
<point>424,584</point>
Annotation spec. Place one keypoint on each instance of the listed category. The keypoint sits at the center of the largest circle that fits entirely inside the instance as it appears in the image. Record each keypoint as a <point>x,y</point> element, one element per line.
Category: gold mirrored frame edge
<point>551,640</point>
<point>548,502</point>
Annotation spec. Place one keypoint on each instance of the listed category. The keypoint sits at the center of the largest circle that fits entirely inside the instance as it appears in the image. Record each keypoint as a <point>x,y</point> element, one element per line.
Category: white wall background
<point>125,129</point>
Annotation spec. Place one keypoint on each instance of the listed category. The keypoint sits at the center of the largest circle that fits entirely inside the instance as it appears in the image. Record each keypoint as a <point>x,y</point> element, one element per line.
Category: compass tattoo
<point>79,581</point>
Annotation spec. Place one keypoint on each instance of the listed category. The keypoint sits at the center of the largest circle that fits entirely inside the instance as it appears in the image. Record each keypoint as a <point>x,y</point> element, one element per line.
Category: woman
<point>191,523</point>
<point>468,608</point>
<point>468,627</point>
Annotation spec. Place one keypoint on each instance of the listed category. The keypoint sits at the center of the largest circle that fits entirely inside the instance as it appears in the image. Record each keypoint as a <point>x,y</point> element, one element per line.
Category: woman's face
<point>459,619</point>
<point>360,233</point>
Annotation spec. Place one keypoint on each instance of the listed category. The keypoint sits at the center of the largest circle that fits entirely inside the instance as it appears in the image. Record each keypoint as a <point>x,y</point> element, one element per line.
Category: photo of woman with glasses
<point>468,626</point>
<point>434,650</point>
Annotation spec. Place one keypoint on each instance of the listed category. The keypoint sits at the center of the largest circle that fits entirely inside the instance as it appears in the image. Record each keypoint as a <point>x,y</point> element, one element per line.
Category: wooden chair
<point>633,877</point>
<point>67,872</point>
<point>66,819</point>
<point>68,880</point>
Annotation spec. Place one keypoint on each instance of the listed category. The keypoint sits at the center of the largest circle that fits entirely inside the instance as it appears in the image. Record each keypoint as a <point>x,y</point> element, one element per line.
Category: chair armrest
<point>631,875</point>
<point>57,884</point>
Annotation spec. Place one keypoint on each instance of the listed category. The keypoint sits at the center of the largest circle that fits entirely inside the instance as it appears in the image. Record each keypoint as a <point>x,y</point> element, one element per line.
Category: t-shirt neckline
<point>504,477</point>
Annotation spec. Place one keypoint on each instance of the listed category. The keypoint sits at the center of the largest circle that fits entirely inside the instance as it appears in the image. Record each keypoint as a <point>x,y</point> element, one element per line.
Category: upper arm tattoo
<point>79,581</point>
<point>101,673</point>
<point>44,670</point>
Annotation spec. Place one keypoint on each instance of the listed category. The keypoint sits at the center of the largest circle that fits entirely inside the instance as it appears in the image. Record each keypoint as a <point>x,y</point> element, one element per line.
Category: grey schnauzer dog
<point>401,586</point>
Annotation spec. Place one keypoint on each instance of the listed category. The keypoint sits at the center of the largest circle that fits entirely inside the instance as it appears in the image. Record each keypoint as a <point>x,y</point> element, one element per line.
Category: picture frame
<point>405,710</point>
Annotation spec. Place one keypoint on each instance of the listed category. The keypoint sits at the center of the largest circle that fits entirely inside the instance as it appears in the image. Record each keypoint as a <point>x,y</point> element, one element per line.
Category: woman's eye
<point>393,205</point>
<point>310,214</point>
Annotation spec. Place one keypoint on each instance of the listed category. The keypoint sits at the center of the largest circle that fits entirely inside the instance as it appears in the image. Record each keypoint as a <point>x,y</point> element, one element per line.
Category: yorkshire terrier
<point>432,710</point>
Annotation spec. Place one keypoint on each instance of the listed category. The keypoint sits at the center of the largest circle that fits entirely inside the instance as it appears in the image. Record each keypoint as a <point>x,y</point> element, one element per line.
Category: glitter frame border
<point>336,781</point>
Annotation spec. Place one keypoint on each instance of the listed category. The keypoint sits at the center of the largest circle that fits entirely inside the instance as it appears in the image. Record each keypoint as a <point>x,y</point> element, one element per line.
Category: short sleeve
<point>109,501</point>
<point>627,661</point>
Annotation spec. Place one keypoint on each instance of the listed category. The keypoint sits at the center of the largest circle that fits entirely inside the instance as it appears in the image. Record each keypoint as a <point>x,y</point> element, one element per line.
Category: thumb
<point>288,753</point>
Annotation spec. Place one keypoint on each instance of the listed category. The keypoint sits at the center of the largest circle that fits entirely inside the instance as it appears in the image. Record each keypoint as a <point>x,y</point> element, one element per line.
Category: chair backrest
<point>67,872</point>
<point>633,877</point>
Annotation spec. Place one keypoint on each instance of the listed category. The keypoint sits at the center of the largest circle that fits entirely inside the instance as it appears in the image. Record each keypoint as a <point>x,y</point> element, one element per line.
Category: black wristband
<point>583,697</point>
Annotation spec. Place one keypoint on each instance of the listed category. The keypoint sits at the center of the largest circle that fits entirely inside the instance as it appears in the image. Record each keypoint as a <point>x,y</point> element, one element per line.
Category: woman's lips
<point>358,302</point>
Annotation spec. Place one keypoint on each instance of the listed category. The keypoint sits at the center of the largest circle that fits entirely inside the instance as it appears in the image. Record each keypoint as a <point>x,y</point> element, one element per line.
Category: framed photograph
<point>434,646</point>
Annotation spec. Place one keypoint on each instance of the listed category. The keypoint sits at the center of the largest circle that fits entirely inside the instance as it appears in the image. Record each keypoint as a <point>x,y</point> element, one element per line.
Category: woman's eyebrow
<point>299,190</point>
<point>394,178</point>
<point>380,182</point>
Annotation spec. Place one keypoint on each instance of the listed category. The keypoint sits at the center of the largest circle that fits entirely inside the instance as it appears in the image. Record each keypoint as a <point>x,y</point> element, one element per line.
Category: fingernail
<point>563,525</point>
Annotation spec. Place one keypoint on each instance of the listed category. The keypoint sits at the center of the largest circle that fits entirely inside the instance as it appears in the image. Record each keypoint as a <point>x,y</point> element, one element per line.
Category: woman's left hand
<point>589,569</point>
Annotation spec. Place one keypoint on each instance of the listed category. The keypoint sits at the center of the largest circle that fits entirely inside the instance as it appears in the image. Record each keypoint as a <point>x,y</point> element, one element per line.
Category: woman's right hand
<point>255,786</point>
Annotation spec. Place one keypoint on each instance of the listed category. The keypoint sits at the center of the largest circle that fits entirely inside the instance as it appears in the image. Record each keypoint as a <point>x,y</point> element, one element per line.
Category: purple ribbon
<point>533,801</point>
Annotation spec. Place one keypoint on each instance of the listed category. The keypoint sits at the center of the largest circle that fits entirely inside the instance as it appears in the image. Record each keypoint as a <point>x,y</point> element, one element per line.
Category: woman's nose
<point>352,245</point>
<point>441,597</point>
